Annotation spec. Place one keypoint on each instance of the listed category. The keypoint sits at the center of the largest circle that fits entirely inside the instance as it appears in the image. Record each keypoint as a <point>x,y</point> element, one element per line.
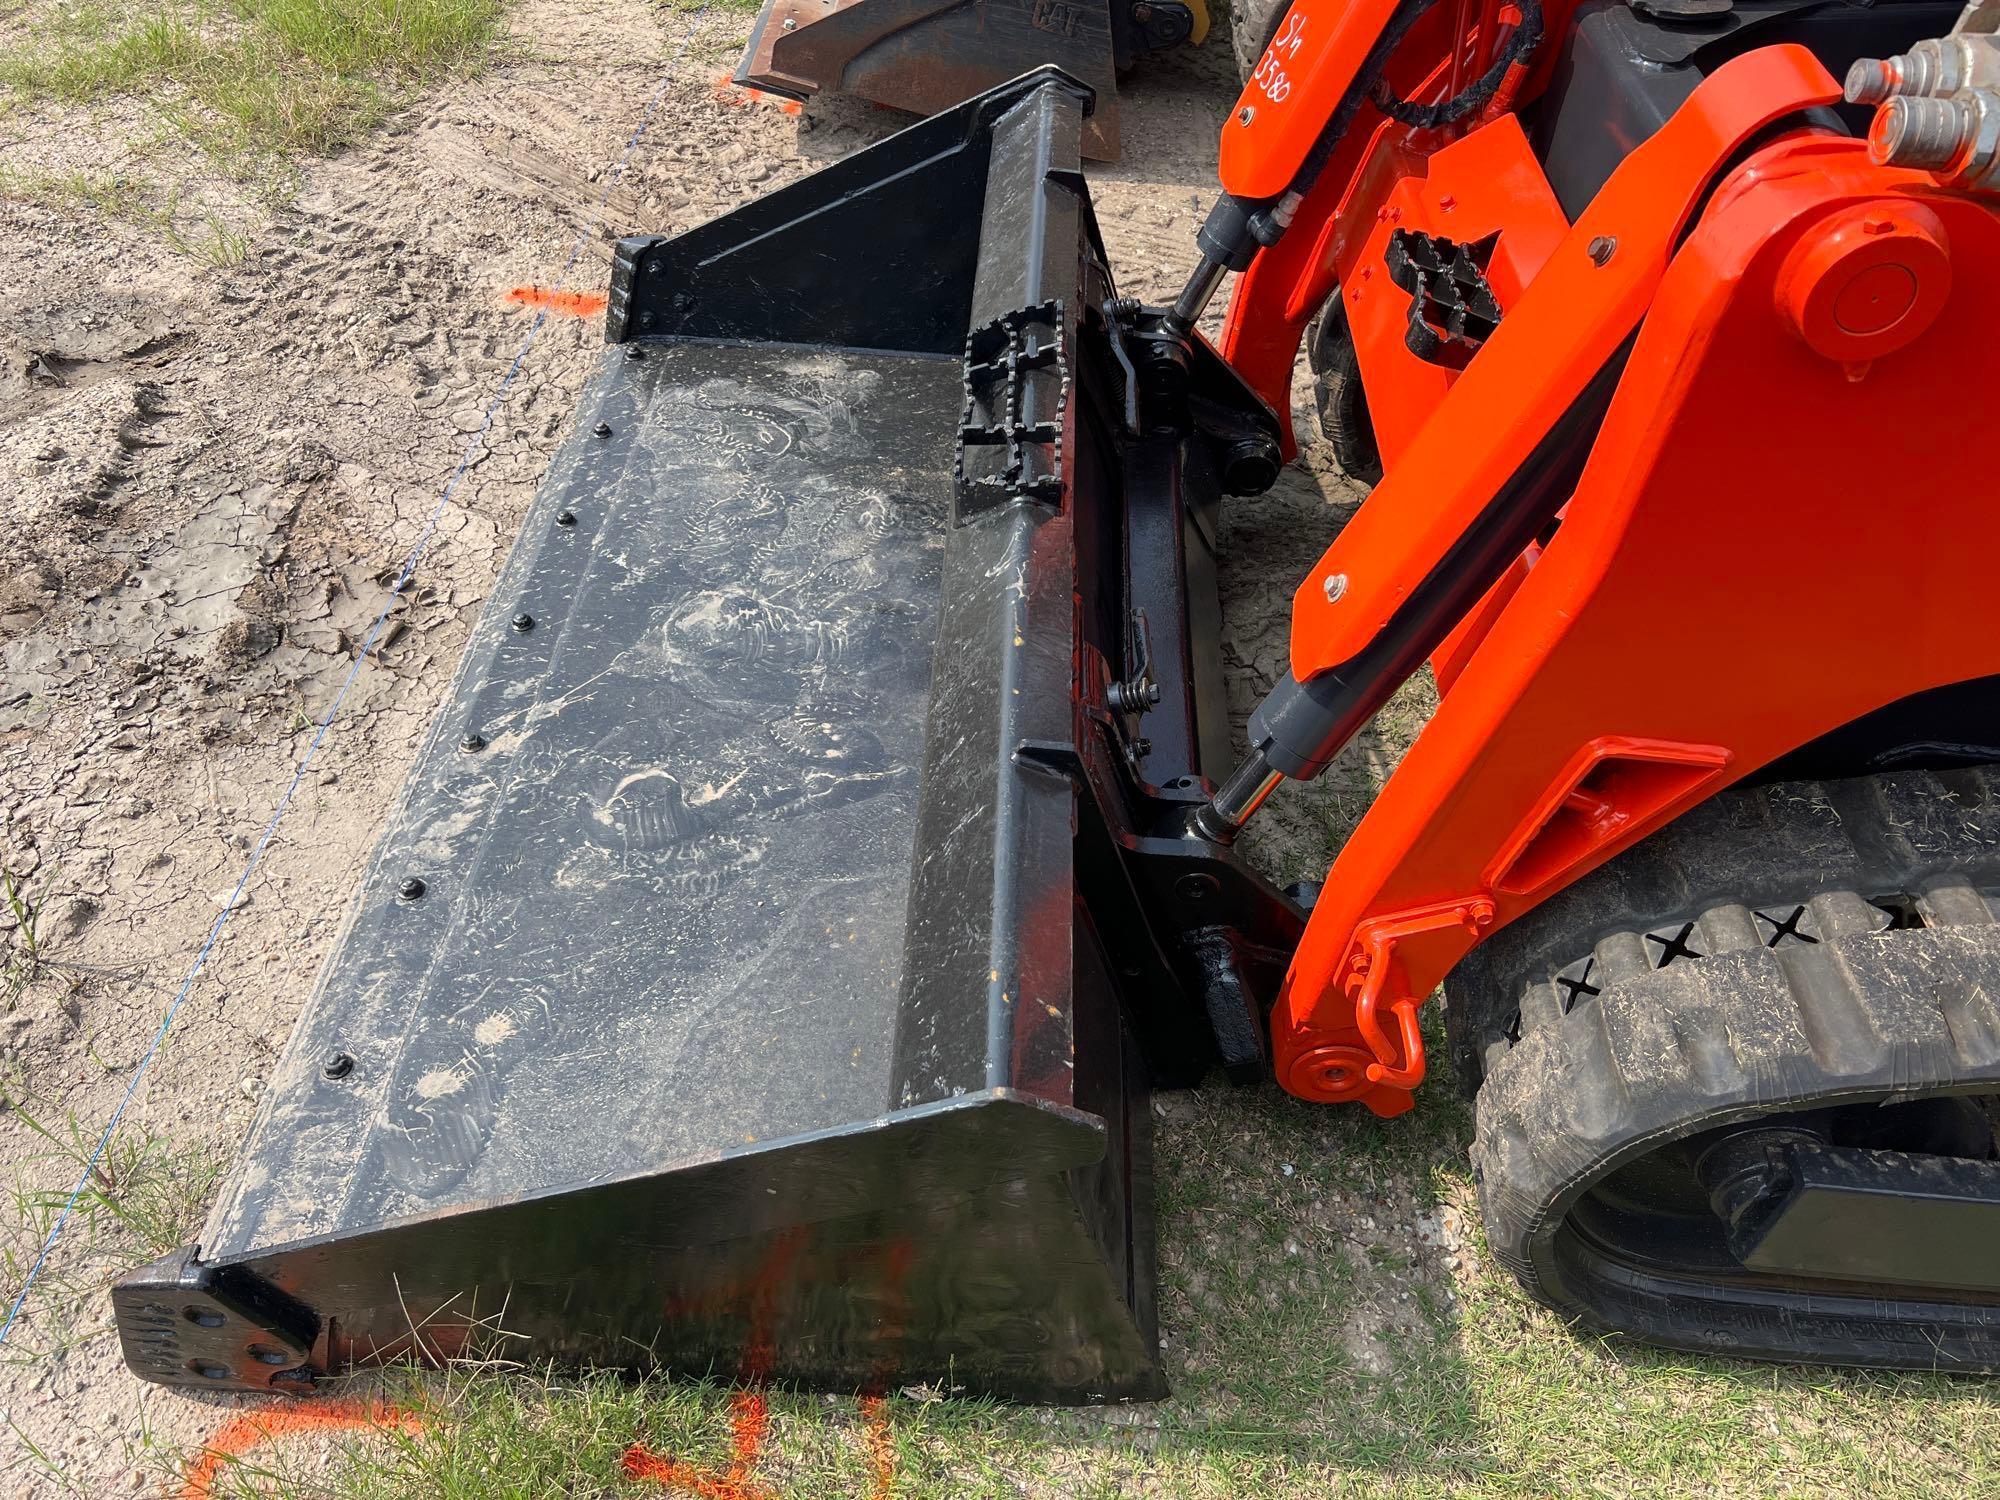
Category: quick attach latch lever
<point>1399,1062</point>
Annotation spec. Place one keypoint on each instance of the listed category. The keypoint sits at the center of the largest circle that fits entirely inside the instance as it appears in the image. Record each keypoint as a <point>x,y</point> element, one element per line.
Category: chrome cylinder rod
<point>1196,295</point>
<point>1241,794</point>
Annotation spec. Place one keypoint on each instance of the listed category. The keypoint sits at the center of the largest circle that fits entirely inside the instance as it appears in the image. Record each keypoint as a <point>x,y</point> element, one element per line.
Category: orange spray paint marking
<point>563,304</point>
<point>749,1413</point>
<point>253,1429</point>
<point>881,1446</point>
<point>749,1420</point>
<point>741,96</point>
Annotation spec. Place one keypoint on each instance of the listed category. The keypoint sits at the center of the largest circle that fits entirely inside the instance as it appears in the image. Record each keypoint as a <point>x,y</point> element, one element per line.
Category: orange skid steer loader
<point>830,837</point>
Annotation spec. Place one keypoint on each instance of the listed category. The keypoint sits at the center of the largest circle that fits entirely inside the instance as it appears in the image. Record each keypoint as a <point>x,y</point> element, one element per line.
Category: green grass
<point>93,57</point>
<point>144,1197</point>
<point>251,75</point>
<point>739,7</point>
<point>251,84</point>
<point>23,952</point>
<point>26,908</point>
<point>1298,1370</point>
<point>142,1190</point>
<point>113,193</point>
<point>415,38</point>
<point>200,233</point>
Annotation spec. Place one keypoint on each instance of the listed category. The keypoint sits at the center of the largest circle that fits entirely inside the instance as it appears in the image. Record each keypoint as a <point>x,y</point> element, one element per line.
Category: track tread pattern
<point>1340,396</point>
<point>1829,996</point>
<point>1908,835</point>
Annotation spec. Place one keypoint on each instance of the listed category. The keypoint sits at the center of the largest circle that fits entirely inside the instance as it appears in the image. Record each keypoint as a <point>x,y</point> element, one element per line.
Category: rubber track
<point>1768,847</point>
<point>1340,396</point>
<point>1736,1028</point>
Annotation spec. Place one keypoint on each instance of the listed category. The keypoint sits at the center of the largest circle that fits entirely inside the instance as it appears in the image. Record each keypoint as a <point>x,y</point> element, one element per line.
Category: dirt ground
<point>216,463</point>
<point>213,475</point>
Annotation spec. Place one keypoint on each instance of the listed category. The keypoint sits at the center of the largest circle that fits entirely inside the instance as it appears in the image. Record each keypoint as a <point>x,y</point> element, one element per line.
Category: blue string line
<point>353,672</point>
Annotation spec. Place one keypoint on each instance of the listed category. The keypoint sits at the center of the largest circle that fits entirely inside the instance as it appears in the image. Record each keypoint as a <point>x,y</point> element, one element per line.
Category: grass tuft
<point>694,7</point>
<point>84,63</point>
<point>26,911</point>
<point>412,38</point>
<point>260,75</point>
<point>142,1190</point>
<point>144,1197</point>
<point>199,233</point>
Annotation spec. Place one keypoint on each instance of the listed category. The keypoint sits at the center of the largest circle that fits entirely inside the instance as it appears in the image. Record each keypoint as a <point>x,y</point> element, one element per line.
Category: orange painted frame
<point>1261,156</point>
<point>1318,51</point>
<point>1565,328</point>
<point>1485,182</point>
<point>1753,491</point>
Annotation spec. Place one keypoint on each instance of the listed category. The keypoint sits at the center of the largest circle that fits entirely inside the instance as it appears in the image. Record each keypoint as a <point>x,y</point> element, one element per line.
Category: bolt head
<point>565,518</point>
<point>1601,249</point>
<point>602,429</point>
<point>1335,587</point>
<point>633,351</point>
<point>1197,887</point>
<point>412,888</point>
<point>473,740</point>
<point>338,1066</point>
<point>1985,137</point>
<point>1245,115</point>
<point>524,622</point>
<point>790,24</point>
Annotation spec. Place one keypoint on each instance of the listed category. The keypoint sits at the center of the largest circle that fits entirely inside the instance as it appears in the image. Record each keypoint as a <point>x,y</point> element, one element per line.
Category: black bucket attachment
<point>929,55</point>
<point>764,970</point>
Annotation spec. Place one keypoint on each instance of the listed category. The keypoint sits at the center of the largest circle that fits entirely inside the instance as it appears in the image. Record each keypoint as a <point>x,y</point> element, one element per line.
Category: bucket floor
<point>665,893</point>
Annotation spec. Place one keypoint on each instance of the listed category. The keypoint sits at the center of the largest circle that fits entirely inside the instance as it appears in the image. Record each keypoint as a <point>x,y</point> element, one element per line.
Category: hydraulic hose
<point>1477,95</point>
<point>1236,228</point>
<point>1360,91</point>
<point>1228,241</point>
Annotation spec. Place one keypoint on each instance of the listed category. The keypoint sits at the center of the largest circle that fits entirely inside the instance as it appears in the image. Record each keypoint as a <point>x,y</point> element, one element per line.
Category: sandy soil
<point>212,478</point>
